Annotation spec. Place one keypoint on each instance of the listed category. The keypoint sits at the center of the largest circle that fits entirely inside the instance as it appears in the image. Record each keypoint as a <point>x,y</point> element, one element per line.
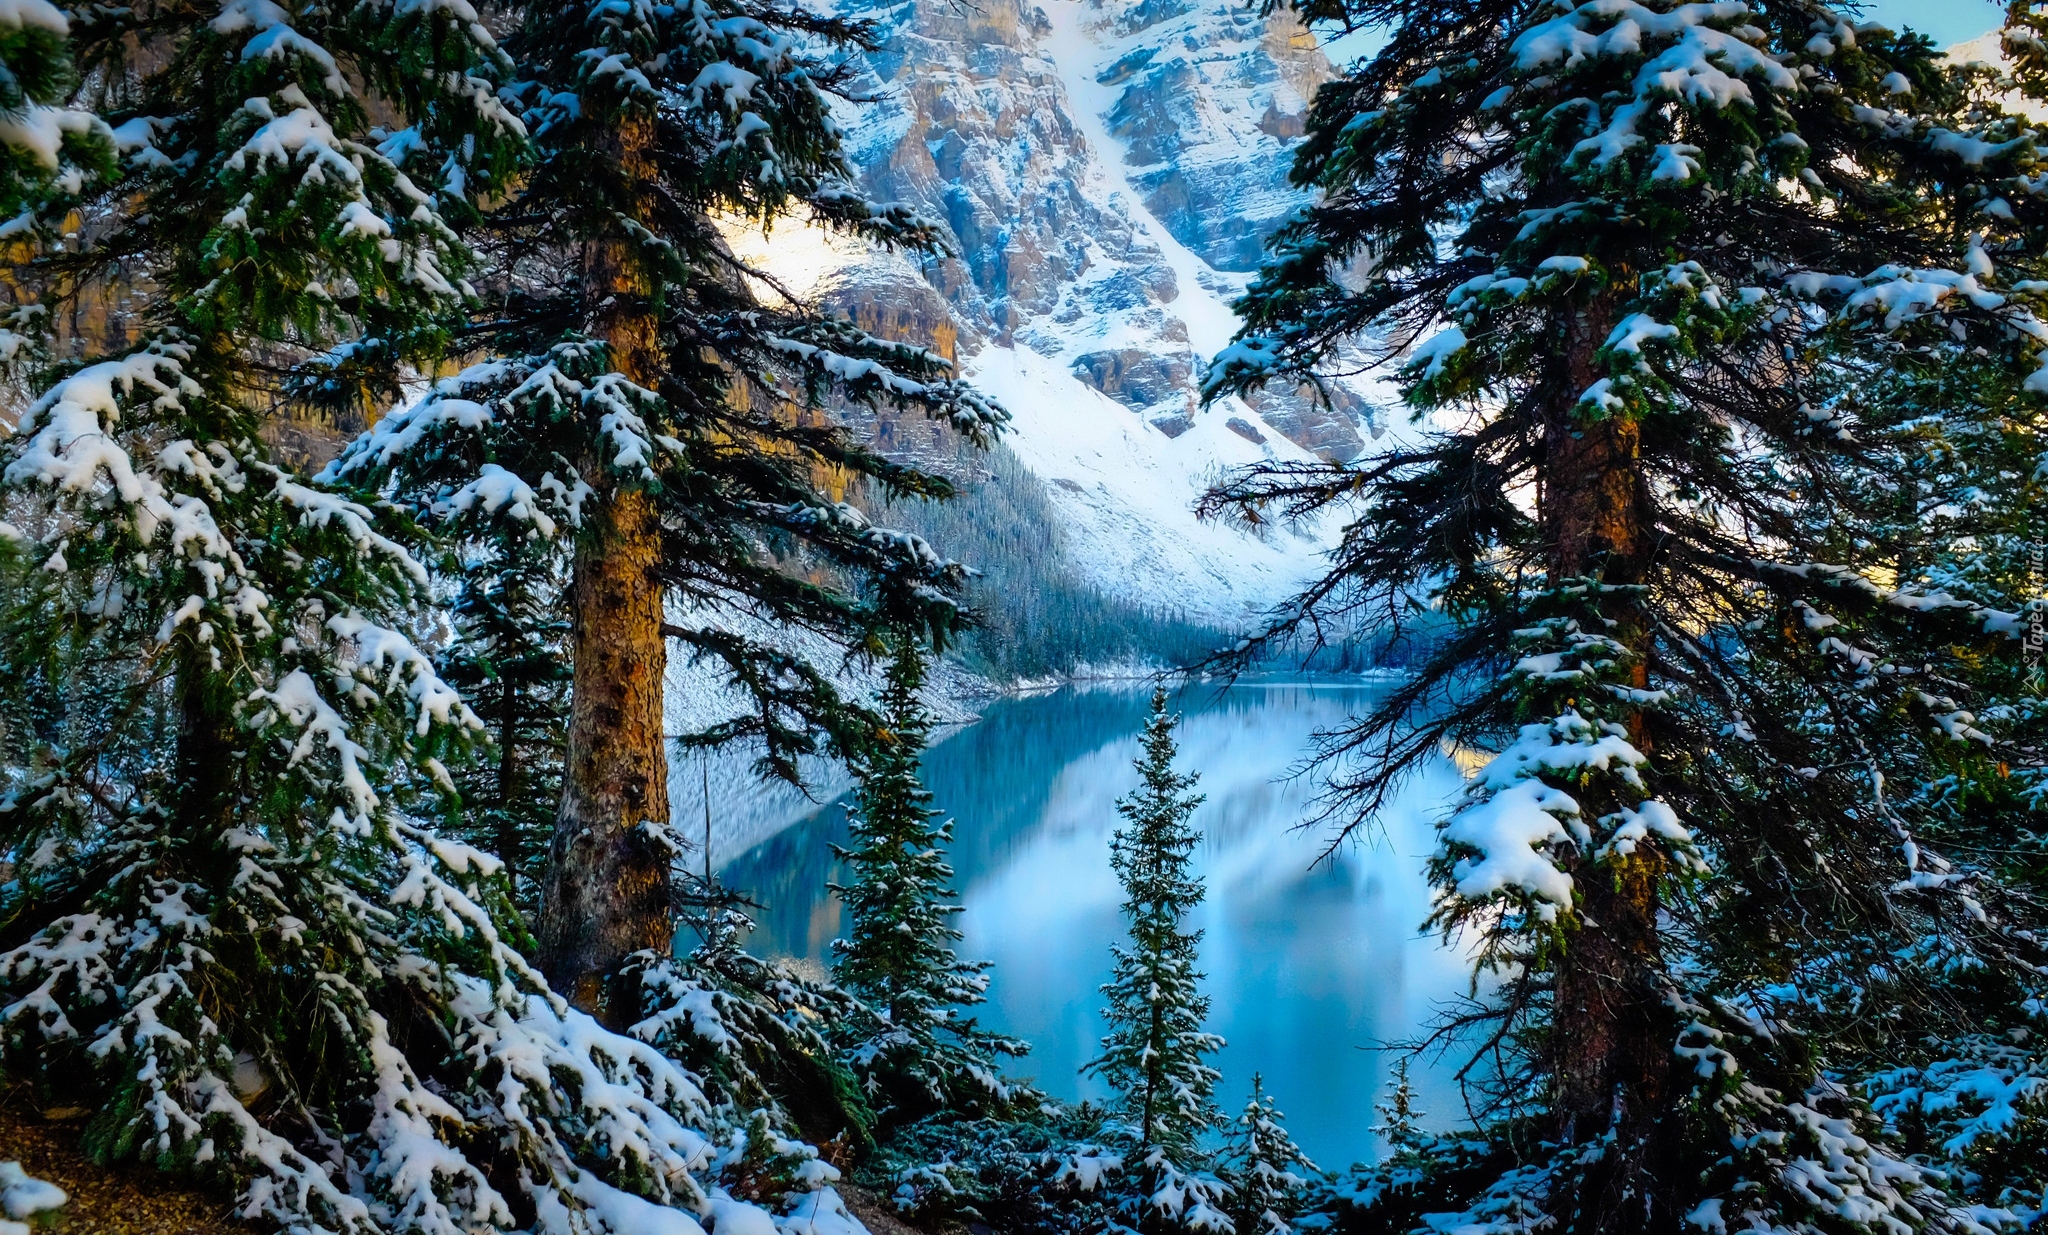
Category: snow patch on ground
<point>22,1197</point>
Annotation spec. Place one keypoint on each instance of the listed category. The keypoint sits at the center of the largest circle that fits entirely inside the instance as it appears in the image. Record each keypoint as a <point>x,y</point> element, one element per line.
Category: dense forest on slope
<point>1035,616</point>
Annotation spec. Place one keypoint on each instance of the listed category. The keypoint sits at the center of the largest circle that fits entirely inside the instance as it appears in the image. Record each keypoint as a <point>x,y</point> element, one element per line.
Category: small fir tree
<point>1259,1161</point>
<point>1154,1053</point>
<point>915,1052</point>
<point>1400,1124</point>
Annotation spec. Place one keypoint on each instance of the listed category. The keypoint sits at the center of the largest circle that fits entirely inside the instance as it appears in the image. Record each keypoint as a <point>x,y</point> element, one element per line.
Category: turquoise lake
<point>1314,967</point>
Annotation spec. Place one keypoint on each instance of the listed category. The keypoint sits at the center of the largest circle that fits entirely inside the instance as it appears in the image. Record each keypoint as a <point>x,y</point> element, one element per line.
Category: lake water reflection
<point>1310,966</point>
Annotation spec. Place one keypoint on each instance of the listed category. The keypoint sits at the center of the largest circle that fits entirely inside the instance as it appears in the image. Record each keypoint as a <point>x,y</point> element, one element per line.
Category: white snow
<point>1637,329</point>
<point>1510,829</point>
<point>1431,354</point>
<point>1988,49</point>
<point>41,131</point>
<point>23,1196</point>
<point>1514,824</point>
<point>22,14</point>
<point>1123,488</point>
<point>732,1217</point>
<point>1125,493</point>
<point>821,1213</point>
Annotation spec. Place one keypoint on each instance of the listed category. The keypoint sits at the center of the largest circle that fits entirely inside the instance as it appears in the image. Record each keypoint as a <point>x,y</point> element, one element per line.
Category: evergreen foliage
<point>757,1033</point>
<point>49,151</point>
<point>716,427</point>
<point>232,933</point>
<point>1153,1055</point>
<point>1954,1060</point>
<point>1046,1170</point>
<point>1726,327</point>
<point>230,929</point>
<point>1632,258</point>
<point>638,399</point>
<point>1400,1124</point>
<point>914,1050</point>
<point>1259,1161</point>
<point>509,658</point>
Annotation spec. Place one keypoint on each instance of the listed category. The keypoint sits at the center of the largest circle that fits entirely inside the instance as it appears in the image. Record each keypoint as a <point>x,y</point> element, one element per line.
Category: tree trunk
<point>1610,1050</point>
<point>608,891</point>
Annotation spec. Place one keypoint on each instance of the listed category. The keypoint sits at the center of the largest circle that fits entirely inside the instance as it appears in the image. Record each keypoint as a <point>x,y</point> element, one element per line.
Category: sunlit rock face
<point>1328,426</point>
<point>1211,98</point>
<point>1109,171</point>
<point>973,124</point>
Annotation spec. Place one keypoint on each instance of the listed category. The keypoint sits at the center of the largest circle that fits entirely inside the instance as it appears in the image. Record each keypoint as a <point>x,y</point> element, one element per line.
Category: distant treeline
<point>1036,616</point>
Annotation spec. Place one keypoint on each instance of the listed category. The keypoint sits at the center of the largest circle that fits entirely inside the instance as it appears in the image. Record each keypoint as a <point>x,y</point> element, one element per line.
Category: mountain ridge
<point>1078,152</point>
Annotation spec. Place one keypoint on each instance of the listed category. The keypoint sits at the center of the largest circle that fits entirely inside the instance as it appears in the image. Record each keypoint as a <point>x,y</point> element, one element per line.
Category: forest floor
<point>104,1200</point>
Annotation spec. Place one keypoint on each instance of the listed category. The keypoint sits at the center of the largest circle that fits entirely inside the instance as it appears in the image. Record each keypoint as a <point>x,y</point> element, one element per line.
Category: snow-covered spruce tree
<point>1629,254</point>
<point>230,932</point>
<point>1963,1078</point>
<point>1154,1053</point>
<point>49,150</point>
<point>1958,1068</point>
<point>644,401</point>
<point>509,660</point>
<point>1260,1161</point>
<point>915,1050</point>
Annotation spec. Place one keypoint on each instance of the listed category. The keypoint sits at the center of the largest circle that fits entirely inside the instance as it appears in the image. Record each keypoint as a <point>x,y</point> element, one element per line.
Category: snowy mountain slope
<point>1108,170</point>
<point>1202,102</point>
<point>1126,493</point>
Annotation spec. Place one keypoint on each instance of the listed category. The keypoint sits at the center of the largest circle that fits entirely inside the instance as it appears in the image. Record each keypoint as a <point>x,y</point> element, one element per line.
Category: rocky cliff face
<point>1109,171</point>
<point>1209,98</point>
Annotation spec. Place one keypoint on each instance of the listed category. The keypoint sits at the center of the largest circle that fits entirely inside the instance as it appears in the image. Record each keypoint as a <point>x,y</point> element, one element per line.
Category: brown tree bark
<point>1610,1048</point>
<point>608,891</point>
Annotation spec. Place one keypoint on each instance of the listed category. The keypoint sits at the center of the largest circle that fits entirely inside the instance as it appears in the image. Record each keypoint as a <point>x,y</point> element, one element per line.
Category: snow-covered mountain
<point>1109,170</point>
